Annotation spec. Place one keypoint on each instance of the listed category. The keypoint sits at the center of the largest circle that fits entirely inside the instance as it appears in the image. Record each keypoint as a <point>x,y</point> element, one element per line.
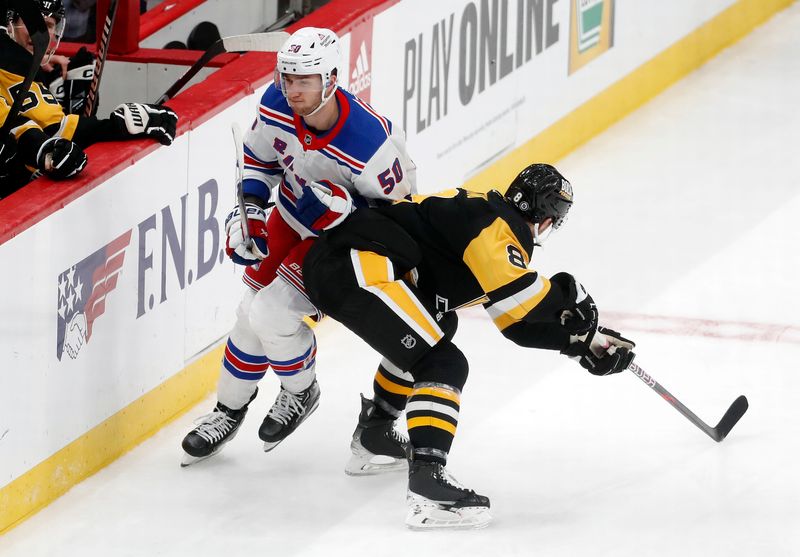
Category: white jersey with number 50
<point>364,152</point>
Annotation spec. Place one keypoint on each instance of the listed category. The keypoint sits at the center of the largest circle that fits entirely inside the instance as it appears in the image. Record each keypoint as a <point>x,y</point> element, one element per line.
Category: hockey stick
<point>40,37</point>
<point>238,143</point>
<point>256,42</point>
<point>90,109</point>
<point>729,419</point>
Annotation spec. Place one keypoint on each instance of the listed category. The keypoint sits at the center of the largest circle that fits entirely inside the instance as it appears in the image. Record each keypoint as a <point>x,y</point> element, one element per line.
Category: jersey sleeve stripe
<point>275,115</point>
<point>272,167</point>
<point>287,192</point>
<point>514,308</point>
<point>340,161</point>
<point>349,159</point>
<point>250,157</point>
<point>68,126</point>
<point>268,172</point>
<point>278,123</point>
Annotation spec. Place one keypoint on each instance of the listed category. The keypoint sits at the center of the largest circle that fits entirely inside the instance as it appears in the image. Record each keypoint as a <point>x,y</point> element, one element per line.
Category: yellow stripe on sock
<point>390,385</point>
<point>430,421</point>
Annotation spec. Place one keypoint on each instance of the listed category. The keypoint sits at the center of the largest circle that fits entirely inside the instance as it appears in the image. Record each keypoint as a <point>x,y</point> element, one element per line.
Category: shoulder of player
<point>364,131</point>
<point>511,220</point>
<point>490,216</point>
<point>273,108</point>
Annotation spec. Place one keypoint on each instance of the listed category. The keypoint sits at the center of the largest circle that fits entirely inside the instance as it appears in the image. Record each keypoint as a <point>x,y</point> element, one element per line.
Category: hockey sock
<point>392,387</point>
<point>432,415</point>
<point>432,410</point>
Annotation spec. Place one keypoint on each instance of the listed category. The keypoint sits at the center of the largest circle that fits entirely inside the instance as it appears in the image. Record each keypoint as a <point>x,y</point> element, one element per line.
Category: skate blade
<point>188,459</point>
<point>269,445</point>
<point>372,465</point>
<point>430,516</point>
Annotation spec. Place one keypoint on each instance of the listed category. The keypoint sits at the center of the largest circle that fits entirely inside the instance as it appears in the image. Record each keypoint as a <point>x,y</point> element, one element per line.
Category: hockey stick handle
<point>238,143</point>
<point>648,380</point>
<point>213,51</point>
<point>255,42</point>
<point>90,109</point>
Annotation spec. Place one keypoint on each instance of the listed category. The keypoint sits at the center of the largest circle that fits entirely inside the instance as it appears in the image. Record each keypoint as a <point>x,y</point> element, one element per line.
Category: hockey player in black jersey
<point>394,276</point>
<point>47,140</point>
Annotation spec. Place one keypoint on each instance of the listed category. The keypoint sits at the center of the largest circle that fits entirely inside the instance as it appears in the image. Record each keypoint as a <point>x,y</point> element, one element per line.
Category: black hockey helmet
<point>49,8</point>
<point>539,192</point>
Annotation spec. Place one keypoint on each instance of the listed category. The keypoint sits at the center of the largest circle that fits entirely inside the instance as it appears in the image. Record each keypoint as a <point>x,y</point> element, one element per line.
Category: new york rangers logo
<point>82,292</point>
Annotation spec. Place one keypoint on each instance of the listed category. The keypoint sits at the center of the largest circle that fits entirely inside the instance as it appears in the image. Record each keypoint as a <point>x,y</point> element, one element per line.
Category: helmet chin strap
<point>538,240</point>
<point>323,101</point>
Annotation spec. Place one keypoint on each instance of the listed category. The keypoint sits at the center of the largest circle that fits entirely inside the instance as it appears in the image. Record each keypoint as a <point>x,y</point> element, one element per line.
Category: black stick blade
<point>731,417</point>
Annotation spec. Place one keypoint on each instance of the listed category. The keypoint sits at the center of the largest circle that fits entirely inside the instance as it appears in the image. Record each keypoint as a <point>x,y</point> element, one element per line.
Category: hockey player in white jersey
<point>316,151</point>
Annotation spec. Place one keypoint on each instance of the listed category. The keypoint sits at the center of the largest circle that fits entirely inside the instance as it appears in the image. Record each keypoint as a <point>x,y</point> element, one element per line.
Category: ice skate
<point>288,412</point>
<point>377,446</point>
<point>437,501</point>
<point>212,432</point>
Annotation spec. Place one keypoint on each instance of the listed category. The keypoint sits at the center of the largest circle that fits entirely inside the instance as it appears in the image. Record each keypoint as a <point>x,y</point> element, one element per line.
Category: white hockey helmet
<point>309,51</point>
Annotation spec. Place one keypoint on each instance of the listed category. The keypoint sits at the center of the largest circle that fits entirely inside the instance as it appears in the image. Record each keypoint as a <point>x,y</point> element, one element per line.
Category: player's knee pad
<point>444,363</point>
<point>278,310</point>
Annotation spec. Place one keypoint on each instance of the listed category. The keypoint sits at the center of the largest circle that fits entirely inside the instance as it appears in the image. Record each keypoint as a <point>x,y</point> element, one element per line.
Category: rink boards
<point>120,298</point>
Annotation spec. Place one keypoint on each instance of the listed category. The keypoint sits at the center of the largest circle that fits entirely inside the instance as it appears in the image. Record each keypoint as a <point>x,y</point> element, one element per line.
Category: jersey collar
<point>312,142</point>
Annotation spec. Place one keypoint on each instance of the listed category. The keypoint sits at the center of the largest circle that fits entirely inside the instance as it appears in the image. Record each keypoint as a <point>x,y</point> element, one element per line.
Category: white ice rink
<point>685,231</point>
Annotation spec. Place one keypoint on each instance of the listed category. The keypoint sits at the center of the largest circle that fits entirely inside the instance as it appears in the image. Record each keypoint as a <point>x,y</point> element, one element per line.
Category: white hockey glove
<point>601,351</point>
<point>324,205</point>
<point>151,120</point>
<point>60,158</point>
<point>256,222</point>
<point>72,90</point>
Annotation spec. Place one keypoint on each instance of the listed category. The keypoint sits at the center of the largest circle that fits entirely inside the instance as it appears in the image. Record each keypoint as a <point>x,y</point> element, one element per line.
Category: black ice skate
<point>437,501</point>
<point>289,411</point>
<point>377,446</point>
<point>212,432</point>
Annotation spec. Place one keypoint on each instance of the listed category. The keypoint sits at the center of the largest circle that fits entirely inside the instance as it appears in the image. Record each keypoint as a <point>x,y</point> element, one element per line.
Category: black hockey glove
<point>601,351</point>
<point>581,317</point>
<point>60,158</point>
<point>71,91</point>
<point>8,148</point>
<point>150,120</point>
